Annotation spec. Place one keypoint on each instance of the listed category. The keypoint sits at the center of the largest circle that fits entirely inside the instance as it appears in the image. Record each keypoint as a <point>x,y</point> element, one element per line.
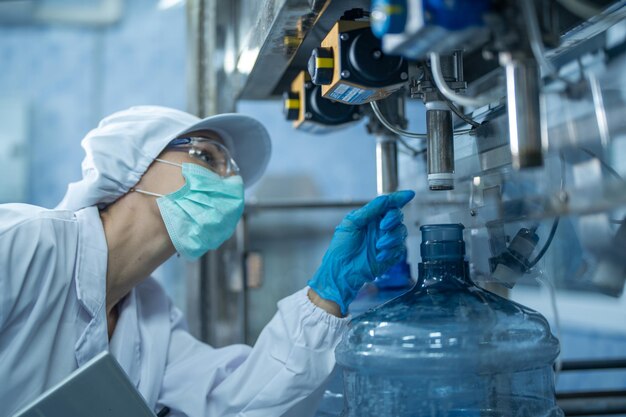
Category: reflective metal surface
<point>522,88</point>
<point>440,149</point>
<point>260,46</point>
<point>392,110</point>
<point>216,292</point>
<point>386,165</point>
<point>302,26</point>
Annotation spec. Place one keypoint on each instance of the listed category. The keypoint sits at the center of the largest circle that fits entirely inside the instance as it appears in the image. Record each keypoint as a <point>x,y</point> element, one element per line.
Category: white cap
<point>122,147</point>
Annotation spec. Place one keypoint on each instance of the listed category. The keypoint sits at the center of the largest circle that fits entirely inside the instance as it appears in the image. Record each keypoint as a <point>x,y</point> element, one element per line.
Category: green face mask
<point>204,212</point>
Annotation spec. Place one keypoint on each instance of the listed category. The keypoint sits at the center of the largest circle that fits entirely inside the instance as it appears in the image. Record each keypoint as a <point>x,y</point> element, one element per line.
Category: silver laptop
<point>100,388</point>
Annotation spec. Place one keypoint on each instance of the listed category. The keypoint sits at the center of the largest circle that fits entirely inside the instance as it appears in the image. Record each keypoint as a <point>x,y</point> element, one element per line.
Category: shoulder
<point>15,217</point>
<point>33,240</point>
<point>29,231</point>
<point>37,248</point>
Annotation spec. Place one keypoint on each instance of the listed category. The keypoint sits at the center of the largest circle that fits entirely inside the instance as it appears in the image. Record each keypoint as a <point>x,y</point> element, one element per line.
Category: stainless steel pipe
<point>522,86</point>
<point>386,164</point>
<point>440,154</point>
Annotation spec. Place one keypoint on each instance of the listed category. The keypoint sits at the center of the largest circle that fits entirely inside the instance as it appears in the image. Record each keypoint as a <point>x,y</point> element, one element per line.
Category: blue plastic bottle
<point>396,281</point>
<point>447,347</point>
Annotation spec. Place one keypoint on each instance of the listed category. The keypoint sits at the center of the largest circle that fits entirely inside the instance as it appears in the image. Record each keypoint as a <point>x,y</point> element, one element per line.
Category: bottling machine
<point>522,103</point>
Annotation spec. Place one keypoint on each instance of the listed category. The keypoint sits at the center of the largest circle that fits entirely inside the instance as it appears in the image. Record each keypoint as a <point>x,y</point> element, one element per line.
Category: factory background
<point>59,78</point>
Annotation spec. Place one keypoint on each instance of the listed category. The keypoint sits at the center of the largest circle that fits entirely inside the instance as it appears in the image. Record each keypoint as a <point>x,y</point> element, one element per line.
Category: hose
<point>446,91</point>
<point>400,132</point>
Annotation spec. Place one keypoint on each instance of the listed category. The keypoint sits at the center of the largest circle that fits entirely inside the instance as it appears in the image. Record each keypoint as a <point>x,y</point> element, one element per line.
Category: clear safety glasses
<point>210,154</point>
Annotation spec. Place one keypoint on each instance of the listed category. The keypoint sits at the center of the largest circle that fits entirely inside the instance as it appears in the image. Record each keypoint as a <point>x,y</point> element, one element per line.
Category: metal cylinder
<point>522,86</point>
<point>440,155</point>
<point>386,164</point>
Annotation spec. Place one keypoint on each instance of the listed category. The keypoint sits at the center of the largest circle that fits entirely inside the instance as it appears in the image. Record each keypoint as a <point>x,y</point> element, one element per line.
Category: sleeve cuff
<point>318,329</point>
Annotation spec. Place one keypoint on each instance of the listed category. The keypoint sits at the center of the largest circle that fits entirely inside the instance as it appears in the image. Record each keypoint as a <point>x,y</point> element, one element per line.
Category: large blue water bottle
<point>447,347</point>
<point>394,282</point>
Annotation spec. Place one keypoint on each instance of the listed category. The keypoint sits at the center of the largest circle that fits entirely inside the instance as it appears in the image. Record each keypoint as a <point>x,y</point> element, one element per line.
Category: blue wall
<point>334,166</point>
<point>72,77</point>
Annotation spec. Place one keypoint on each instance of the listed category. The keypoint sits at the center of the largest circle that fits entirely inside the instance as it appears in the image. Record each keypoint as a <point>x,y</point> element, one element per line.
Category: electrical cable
<point>534,37</point>
<point>381,118</point>
<point>453,107</point>
<point>555,224</point>
<point>413,151</point>
<point>546,245</point>
<point>536,43</point>
<point>446,91</point>
<point>459,113</point>
<point>580,8</point>
<point>412,154</point>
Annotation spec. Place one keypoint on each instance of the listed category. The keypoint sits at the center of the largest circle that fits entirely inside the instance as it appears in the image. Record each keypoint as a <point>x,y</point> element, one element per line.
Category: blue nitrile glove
<point>366,243</point>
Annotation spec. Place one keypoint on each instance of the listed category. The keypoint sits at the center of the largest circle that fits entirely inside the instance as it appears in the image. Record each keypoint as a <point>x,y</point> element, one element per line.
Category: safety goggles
<point>210,153</point>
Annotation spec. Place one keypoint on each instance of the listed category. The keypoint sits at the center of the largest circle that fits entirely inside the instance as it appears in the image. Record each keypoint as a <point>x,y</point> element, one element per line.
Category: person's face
<point>164,179</point>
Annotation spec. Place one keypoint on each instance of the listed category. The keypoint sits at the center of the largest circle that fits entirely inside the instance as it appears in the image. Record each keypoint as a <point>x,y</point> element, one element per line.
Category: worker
<point>75,281</point>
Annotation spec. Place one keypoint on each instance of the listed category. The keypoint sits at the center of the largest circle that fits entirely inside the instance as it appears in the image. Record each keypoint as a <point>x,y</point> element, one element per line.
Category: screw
<point>344,37</point>
<point>377,54</point>
<point>563,196</point>
<point>472,212</point>
<point>356,116</point>
<point>308,85</point>
<point>404,75</point>
<point>345,74</point>
<point>308,115</point>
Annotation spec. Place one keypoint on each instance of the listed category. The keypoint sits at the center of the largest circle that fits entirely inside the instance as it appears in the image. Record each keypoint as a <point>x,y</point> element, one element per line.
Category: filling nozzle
<point>522,88</point>
<point>440,156</point>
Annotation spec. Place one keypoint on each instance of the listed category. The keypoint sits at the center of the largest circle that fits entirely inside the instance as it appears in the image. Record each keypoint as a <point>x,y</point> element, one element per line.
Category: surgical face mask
<point>203,213</point>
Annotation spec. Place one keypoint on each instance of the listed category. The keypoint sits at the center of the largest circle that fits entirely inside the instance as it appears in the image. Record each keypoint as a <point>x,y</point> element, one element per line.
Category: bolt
<point>308,115</point>
<point>472,212</point>
<point>404,75</point>
<point>345,74</point>
<point>344,37</point>
<point>356,116</point>
<point>377,54</point>
<point>308,85</point>
<point>563,196</point>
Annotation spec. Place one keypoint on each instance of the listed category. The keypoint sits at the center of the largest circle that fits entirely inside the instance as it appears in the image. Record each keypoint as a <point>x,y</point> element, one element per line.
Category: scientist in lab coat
<point>75,281</point>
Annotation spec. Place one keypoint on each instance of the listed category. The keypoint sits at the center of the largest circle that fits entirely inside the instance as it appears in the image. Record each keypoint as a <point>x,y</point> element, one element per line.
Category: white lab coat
<point>52,321</point>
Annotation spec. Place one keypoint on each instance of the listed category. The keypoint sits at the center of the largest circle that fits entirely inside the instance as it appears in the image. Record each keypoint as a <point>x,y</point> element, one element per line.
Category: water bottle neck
<point>443,273</point>
<point>443,256</point>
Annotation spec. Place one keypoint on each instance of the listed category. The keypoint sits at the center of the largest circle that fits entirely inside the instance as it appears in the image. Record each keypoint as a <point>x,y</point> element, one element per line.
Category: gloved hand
<point>366,243</point>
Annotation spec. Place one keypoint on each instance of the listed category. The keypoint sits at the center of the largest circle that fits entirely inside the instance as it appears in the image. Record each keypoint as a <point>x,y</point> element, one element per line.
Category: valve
<point>304,105</point>
<point>351,67</point>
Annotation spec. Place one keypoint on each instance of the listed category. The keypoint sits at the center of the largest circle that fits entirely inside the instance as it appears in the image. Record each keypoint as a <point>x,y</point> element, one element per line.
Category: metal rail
<point>595,403</point>
<point>593,364</point>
